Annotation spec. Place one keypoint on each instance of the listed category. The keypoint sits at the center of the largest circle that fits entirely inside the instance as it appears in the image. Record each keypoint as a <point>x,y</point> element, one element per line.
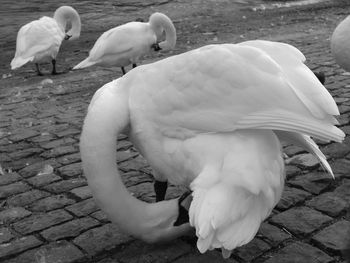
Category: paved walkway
<point>47,213</point>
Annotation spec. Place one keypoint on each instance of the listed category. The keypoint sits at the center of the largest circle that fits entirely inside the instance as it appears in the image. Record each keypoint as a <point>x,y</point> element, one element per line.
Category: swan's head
<point>161,23</point>
<point>67,14</point>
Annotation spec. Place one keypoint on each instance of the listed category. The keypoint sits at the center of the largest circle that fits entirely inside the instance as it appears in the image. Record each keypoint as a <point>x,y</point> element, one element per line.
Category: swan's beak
<point>67,37</point>
<point>184,205</point>
<point>156,47</point>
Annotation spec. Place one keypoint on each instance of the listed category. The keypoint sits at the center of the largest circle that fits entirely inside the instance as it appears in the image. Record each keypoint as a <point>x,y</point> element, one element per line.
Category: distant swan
<point>340,44</point>
<point>40,40</point>
<point>210,119</point>
<point>126,44</point>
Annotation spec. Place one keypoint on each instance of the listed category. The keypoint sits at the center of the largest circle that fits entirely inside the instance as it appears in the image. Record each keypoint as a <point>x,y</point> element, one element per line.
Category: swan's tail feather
<point>18,62</point>
<point>84,64</point>
<point>308,144</point>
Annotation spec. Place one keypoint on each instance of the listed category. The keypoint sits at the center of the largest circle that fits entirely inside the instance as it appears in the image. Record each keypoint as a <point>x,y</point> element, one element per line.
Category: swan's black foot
<point>156,47</point>
<point>53,72</point>
<point>134,65</point>
<point>160,190</point>
<point>123,70</point>
<point>38,70</point>
<point>321,77</point>
<point>184,205</point>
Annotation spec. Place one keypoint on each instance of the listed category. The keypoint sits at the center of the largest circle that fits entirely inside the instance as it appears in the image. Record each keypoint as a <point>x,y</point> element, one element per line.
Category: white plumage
<point>208,119</point>
<point>40,40</point>
<point>340,44</point>
<point>128,43</point>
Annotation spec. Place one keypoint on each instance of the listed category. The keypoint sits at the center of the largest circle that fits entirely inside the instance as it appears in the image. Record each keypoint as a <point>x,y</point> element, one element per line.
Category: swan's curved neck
<point>108,115</point>
<point>65,14</point>
<point>159,23</point>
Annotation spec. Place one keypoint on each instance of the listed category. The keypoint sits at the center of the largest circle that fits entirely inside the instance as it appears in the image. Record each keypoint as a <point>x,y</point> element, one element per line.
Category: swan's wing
<point>221,88</point>
<point>121,39</point>
<point>305,85</point>
<point>38,36</point>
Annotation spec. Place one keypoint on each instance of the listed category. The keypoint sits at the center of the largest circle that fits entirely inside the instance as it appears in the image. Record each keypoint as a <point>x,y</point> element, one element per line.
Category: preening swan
<point>340,44</point>
<point>40,40</point>
<point>211,119</point>
<point>126,44</point>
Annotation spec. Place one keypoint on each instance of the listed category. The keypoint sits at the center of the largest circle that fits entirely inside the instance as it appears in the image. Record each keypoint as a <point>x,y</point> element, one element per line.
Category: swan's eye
<point>156,47</point>
<point>67,37</point>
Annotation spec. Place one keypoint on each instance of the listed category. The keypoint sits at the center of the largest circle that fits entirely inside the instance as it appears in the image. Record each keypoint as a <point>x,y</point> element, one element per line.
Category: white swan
<point>340,44</point>
<point>40,40</point>
<point>207,119</point>
<point>126,44</point>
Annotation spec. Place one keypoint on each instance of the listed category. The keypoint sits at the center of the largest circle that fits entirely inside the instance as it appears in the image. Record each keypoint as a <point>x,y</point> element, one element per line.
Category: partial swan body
<point>40,40</point>
<point>340,44</point>
<point>128,43</point>
<point>211,119</point>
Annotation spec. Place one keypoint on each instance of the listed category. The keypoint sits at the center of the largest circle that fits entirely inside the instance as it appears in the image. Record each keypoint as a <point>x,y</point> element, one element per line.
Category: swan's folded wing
<point>38,36</point>
<point>118,40</point>
<point>221,88</point>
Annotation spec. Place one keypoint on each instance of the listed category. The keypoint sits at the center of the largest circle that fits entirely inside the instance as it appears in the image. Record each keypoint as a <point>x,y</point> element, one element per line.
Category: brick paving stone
<point>123,156</point>
<point>300,220</point>
<point>291,196</point>
<point>56,252</point>
<point>134,165</point>
<point>25,153</point>
<point>83,208</point>
<point>304,160</point>
<point>65,185</point>
<point>41,221</point>
<point>299,252</point>
<point>57,143</point>
<point>67,132</point>
<point>12,189</point>
<point>343,191</point>
<point>5,235</point>
<point>22,135</point>
<point>252,250</point>
<point>124,145</point>
<point>51,203</point>
<point>18,245</point>
<point>59,151</point>
<point>101,238</point>
<point>69,158</point>
<point>13,214</point>
<point>210,256</point>
<point>83,192</point>
<point>35,168</point>
<point>329,203</point>
<point>43,138</point>
<point>43,179</point>
<point>69,229</point>
<point>273,234</point>
<point>138,251</point>
<point>292,170</point>
<point>337,150</point>
<point>100,216</point>
<point>25,162</point>
<point>143,191</point>
<point>134,178</point>
<point>340,167</point>
<point>314,182</point>
<point>292,150</point>
<point>71,170</point>
<point>26,198</point>
<point>9,178</point>
<point>335,237</point>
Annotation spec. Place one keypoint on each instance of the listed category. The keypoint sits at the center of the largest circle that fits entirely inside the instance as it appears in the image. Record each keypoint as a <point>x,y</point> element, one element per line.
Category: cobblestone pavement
<point>47,213</point>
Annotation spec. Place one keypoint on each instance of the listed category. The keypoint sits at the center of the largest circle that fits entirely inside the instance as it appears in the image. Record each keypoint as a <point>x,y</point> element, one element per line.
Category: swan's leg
<point>134,65</point>
<point>38,69</point>
<point>160,190</point>
<point>184,205</point>
<point>54,72</point>
<point>123,70</point>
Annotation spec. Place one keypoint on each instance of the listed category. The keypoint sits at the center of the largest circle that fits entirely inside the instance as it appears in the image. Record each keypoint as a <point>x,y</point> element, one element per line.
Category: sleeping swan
<point>40,40</point>
<point>126,44</point>
<point>211,119</point>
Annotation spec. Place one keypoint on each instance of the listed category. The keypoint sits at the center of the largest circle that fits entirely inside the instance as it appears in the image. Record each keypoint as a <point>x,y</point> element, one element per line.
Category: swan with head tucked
<point>126,44</point>
<point>211,119</point>
<point>340,44</point>
<point>40,40</point>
